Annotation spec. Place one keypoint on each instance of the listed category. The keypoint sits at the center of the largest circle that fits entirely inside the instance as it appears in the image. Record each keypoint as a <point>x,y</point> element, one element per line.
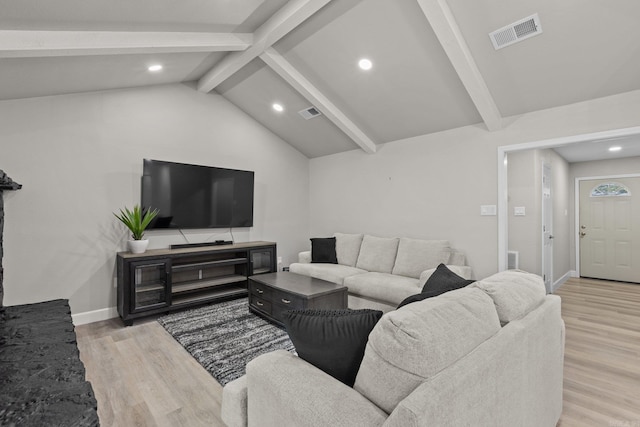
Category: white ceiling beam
<point>24,44</point>
<point>446,29</point>
<point>281,66</point>
<point>280,24</point>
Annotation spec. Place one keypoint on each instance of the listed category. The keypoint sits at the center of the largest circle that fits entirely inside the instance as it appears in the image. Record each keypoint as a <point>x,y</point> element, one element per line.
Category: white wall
<point>79,158</point>
<point>432,186</point>
<point>630,165</point>
<point>525,189</point>
<point>561,193</point>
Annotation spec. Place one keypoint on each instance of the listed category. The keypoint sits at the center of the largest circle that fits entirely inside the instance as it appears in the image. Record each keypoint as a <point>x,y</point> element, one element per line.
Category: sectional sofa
<point>489,354</point>
<point>381,272</point>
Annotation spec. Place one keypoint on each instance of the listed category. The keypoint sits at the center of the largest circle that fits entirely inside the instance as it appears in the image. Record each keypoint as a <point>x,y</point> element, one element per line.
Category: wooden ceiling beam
<point>280,24</point>
<point>446,29</point>
<point>292,76</point>
<point>25,44</point>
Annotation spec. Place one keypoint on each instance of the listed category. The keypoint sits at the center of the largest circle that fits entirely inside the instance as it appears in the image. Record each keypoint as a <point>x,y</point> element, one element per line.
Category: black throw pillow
<point>445,280</point>
<point>442,280</point>
<point>323,249</point>
<point>332,340</point>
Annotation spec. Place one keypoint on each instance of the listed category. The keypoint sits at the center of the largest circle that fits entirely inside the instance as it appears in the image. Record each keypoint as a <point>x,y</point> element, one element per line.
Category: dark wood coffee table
<point>270,295</point>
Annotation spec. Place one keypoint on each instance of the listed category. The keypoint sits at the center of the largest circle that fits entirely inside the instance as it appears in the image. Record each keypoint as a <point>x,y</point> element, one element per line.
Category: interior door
<point>610,229</point>
<point>547,228</point>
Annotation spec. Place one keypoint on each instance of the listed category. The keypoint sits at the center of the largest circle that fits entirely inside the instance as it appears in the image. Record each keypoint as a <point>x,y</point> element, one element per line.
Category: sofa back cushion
<point>348,248</point>
<point>377,254</point>
<point>415,256</point>
<point>414,343</point>
<point>514,292</point>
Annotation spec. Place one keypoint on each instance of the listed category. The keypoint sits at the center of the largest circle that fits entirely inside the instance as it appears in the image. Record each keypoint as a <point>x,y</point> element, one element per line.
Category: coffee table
<point>270,295</point>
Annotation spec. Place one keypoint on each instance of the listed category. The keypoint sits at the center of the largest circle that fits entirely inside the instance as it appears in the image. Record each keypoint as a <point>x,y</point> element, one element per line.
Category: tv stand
<point>163,280</point>
<point>201,245</point>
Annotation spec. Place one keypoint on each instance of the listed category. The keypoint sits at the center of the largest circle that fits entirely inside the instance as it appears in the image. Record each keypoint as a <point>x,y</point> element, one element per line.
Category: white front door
<point>609,229</point>
<point>547,228</point>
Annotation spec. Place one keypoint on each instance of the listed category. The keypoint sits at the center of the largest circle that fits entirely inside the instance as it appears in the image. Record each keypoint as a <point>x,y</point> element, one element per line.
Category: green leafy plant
<point>136,220</point>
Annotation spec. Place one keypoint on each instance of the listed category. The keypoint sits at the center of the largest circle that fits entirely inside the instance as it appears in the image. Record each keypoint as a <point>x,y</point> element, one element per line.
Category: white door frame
<point>577,207</point>
<point>503,237</point>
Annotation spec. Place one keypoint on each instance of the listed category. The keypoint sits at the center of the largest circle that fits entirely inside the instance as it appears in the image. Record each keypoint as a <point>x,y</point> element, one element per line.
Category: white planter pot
<point>138,246</point>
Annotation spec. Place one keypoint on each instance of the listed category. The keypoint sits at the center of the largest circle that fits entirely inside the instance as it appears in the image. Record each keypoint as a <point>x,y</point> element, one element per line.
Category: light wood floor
<point>142,377</point>
<point>602,353</point>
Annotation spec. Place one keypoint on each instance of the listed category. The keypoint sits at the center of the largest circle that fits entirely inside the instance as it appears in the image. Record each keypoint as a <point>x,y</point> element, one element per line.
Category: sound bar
<point>197,245</point>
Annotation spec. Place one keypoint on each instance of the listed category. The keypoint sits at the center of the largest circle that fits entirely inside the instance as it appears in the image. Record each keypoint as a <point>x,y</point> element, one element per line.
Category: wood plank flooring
<point>142,377</point>
<point>602,353</point>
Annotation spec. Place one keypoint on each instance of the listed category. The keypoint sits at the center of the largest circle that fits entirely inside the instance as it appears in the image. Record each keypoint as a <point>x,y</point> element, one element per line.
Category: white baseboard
<point>564,278</point>
<point>94,316</point>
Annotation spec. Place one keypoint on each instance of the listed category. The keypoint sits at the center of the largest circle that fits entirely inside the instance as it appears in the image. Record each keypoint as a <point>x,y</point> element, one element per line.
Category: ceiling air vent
<point>309,113</point>
<point>516,32</point>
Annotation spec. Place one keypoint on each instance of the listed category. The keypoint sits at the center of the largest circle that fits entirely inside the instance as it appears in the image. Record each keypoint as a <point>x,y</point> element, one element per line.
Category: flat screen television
<point>193,196</point>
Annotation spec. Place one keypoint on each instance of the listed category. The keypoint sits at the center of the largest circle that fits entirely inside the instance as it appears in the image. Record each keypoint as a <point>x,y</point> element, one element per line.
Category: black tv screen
<point>193,196</point>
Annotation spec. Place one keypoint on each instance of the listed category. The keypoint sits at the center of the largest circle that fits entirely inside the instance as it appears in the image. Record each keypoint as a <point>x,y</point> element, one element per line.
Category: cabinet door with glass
<point>150,284</point>
<point>262,260</point>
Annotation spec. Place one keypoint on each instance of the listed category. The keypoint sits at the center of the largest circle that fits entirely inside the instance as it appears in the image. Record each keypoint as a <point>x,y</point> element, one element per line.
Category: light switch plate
<point>519,211</point>
<point>488,210</point>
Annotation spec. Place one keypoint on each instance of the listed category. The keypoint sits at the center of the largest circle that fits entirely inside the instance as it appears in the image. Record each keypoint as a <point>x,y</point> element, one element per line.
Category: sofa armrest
<point>285,390</point>
<point>304,257</point>
<point>457,258</point>
<point>234,403</point>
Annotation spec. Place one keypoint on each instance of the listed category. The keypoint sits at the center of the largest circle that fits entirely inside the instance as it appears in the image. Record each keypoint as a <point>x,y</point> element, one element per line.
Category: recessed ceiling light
<point>279,108</point>
<point>155,68</point>
<point>365,64</point>
<point>615,148</point>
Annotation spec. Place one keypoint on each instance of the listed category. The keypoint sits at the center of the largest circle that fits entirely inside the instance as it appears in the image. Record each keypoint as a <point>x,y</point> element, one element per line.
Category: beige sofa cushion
<point>415,256</point>
<point>416,342</point>
<point>334,273</point>
<point>382,286</point>
<point>514,292</point>
<point>348,248</point>
<point>377,254</point>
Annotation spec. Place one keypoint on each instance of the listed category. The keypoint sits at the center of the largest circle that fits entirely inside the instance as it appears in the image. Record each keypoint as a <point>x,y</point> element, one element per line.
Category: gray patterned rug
<point>224,337</point>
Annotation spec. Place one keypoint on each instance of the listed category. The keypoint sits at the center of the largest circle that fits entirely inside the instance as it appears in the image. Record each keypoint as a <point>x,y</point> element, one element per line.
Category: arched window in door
<point>610,189</point>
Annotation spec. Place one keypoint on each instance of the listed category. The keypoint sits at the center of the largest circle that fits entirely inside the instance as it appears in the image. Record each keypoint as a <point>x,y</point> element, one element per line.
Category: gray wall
<point>432,186</point>
<point>79,158</point>
<point>524,188</point>
<point>561,220</point>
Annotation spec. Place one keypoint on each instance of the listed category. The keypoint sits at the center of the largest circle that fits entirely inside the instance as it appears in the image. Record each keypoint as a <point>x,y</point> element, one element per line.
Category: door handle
<point>550,236</point>
<point>582,234</point>
<point>583,227</point>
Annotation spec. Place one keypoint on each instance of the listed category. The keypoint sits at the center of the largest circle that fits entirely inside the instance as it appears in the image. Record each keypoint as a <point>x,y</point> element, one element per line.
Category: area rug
<point>224,337</point>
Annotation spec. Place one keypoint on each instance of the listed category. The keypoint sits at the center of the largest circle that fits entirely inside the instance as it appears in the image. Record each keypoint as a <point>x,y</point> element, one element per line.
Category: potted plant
<point>137,221</point>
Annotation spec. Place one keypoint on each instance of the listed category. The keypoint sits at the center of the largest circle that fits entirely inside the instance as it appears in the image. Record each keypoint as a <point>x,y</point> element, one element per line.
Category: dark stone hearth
<point>6,183</point>
<point>41,375</point>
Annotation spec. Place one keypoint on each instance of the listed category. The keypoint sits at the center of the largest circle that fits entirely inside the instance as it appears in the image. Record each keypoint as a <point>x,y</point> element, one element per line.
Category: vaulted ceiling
<point>433,65</point>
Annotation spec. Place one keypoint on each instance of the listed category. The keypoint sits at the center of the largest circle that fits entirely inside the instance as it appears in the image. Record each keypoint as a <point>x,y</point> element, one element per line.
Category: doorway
<point>503,235</point>
<point>609,228</point>
<point>547,227</point>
